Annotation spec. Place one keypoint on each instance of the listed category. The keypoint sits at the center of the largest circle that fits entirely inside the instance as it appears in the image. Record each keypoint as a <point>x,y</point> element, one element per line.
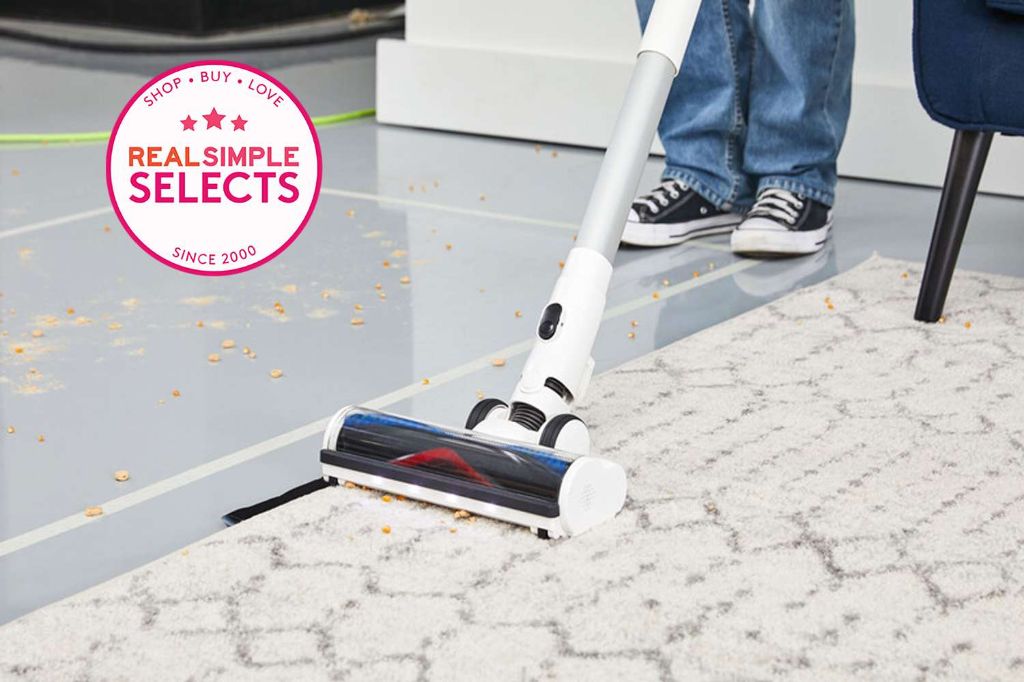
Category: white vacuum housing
<point>528,461</point>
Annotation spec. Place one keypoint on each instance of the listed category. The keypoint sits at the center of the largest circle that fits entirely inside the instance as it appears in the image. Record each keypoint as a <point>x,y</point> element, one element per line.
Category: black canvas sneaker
<point>782,223</point>
<point>673,213</point>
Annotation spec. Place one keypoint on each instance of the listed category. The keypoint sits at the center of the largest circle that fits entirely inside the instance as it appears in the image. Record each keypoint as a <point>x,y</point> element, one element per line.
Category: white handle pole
<point>669,28</point>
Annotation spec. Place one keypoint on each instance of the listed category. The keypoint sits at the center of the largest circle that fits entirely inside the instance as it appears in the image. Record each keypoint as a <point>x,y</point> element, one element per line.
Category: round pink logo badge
<point>213,167</point>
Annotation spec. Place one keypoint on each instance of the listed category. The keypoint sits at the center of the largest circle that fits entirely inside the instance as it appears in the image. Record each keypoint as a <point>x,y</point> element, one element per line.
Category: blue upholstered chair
<point>969,66</point>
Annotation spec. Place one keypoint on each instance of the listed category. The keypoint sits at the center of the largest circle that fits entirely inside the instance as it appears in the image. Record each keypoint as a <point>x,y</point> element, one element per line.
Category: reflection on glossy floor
<point>119,377</point>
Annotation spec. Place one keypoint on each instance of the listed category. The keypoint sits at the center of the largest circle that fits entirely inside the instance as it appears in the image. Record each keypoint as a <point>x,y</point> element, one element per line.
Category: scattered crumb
<point>665,282</point>
<point>696,274</point>
<point>325,294</point>
<point>831,306</point>
<point>386,530</point>
<point>36,333</point>
<point>357,307</point>
<point>71,311</point>
<point>276,374</point>
<point>710,508</point>
<point>132,302</point>
<point>905,275</point>
<point>82,320</point>
<point>106,228</point>
<point>519,313</point>
<point>227,344</point>
<point>25,254</point>
<point>399,253</point>
<point>213,357</point>
<point>19,350</point>
<point>378,286</point>
<point>176,393</point>
<point>634,323</point>
<point>554,154</point>
<point>93,511</point>
<point>351,213</point>
<point>246,350</point>
<point>400,498</point>
<point>199,323</point>
<point>462,514</point>
<point>498,362</point>
<point>121,475</point>
<point>385,498</point>
<point>448,247</point>
<point>828,299</point>
<point>405,279</point>
<point>483,197</point>
<point>942,319</point>
<point>15,172</point>
<point>426,382</point>
<point>631,335</point>
<point>10,429</point>
<point>114,326</point>
<point>655,295</point>
<point>184,552</point>
<point>479,395</point>
<point>381,295</point>
<point>967,325</point>
<point>561,264</point>
<point>279,308</point>
<point>350,484</point>
<point>386,264</point>
<point>357,322</point>
<point>453,530</point>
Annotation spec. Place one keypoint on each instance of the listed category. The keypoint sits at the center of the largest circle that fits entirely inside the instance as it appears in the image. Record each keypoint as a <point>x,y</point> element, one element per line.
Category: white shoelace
<point>777,204</point>
<point>658,199</point>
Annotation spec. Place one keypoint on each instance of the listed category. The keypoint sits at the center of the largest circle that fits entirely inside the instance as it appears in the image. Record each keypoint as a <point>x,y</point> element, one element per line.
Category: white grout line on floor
<point>510,217</point>
<point>54,222</point>
<point>362,196</point>
<point>119,504</point>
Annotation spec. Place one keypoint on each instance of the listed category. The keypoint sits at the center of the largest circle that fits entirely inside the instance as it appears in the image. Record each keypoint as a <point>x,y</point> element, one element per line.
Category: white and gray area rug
<point>816,493</point>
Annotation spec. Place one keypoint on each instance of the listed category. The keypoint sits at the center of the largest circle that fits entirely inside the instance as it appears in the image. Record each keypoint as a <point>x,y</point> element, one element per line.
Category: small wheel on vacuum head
<point>549,436</point>
<point>481,410</point>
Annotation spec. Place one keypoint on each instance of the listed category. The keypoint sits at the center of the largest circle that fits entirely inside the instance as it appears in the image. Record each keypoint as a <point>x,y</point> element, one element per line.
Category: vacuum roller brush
<point>551,492</point>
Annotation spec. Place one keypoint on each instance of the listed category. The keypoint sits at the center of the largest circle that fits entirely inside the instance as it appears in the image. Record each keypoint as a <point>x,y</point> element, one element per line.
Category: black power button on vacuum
<point>549,321</point>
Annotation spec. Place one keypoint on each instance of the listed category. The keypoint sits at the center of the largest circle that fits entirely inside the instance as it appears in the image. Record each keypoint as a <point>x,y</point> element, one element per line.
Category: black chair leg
<point>966,162</point>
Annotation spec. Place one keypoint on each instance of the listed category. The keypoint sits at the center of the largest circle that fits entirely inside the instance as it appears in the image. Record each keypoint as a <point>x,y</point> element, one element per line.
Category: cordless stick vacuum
<point>528,461</point>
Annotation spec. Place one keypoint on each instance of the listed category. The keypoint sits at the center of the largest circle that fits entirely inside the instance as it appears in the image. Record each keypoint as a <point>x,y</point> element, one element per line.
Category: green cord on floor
<point>71,138</point>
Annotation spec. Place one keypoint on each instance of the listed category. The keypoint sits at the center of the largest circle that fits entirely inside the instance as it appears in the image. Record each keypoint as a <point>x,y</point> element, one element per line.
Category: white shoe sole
<point>755,241</point>
<point>668,234</point>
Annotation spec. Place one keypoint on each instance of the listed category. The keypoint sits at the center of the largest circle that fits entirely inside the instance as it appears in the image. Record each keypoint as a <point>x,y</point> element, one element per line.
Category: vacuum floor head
<point>549,491</point>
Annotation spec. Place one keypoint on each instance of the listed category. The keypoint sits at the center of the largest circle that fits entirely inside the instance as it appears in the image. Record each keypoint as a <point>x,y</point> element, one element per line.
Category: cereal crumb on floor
<point>386,530</point>
<point>227,344</point>
<point>93,511</point>
<point>121,475</point>
<point>213,357</point>
<point>498,362</point>
<point>276,374</point>
<point>386,498</point>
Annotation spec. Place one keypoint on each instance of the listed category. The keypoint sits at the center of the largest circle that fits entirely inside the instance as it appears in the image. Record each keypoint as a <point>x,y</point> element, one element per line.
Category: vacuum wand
<point>558,370</point>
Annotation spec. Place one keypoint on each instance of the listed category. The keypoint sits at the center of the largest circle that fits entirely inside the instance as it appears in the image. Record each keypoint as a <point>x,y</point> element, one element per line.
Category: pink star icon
<point>188,123</point>
<point>239,123</point>
<point>213,119</point>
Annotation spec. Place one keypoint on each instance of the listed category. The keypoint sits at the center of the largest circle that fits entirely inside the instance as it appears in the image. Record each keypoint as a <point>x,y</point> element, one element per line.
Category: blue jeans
<point>761,101</point>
